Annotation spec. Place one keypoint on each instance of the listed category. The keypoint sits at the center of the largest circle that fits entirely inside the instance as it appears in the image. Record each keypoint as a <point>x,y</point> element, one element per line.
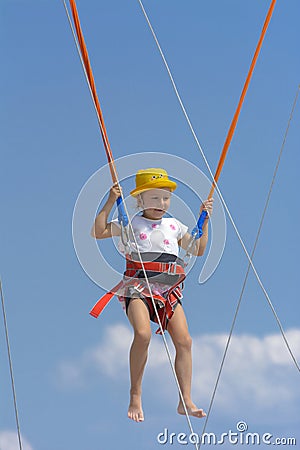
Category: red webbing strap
<point>89,73</point>
<point>239,107</point>
<point>154,266</point>
<point>103,301</point>
<point>166,312</point>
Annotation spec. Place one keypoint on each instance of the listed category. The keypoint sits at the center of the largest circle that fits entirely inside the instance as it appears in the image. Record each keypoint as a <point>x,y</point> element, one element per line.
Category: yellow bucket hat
<point>152,179</point>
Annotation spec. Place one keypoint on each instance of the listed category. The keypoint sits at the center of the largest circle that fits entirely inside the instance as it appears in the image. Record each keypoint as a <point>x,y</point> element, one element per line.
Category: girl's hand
<point>115,192</point>
<point>207,206</point>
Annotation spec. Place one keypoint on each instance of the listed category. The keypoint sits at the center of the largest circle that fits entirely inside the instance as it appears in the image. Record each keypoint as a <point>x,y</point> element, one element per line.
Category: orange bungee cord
<point>197,230</point>
<point>241,101</point>
<point>92,85</point>
<point>84,57</point>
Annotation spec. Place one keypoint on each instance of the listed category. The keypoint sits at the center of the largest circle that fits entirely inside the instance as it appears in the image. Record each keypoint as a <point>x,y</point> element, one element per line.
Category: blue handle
<point>197,230</point>
<point>122,216</point>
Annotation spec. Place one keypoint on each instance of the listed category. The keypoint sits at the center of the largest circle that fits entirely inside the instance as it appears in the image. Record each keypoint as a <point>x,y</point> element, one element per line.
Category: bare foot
<point>135,411</point>
<point>192,410</point>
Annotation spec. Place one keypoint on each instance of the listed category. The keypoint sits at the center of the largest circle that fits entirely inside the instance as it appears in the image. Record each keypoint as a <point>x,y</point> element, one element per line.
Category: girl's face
<point>155,203</point>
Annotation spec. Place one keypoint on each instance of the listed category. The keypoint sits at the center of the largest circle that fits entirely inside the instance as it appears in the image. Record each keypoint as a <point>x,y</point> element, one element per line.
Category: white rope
<point>10,367</point>
<point>216,184</point>
<point>134,238</point>
<point>248,268</point>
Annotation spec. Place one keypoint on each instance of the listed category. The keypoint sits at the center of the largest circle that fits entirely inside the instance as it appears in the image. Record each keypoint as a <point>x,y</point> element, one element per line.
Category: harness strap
<point>172,268</point>
<point>100,305</point>
<point>165,311</point>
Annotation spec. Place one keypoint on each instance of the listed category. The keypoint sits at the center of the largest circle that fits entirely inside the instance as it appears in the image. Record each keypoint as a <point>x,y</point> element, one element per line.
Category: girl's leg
<point>138,316</point>
<point>178,330</point>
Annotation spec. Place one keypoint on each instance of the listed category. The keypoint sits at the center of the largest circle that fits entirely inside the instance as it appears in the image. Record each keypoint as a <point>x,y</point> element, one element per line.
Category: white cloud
<point>258,372</point>
<point>112,355</point>
<point>9,441</point>
<point>109,357</point>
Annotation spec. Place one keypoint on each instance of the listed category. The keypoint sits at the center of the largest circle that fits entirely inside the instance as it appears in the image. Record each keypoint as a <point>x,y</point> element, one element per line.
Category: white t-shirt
<point>159,236</point>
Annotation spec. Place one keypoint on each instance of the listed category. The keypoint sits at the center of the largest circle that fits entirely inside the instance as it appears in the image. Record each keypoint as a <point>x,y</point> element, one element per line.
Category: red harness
<point>165,304</point>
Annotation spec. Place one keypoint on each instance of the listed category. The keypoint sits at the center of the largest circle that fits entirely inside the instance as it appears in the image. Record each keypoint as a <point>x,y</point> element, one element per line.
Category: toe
<point>200,413</point>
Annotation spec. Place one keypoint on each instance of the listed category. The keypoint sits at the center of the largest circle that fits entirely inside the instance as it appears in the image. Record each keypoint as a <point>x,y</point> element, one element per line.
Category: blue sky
<point>71,371</point>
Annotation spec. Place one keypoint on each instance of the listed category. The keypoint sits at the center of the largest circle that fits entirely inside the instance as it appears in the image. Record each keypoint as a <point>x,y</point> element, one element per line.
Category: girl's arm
<point>200,244</point>
<point>101,228</point>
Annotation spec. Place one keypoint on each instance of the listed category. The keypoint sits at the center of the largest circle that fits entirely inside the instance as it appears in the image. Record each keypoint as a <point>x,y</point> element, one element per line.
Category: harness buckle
<point>139,287</point>
<point>172,268</point>
<point>178,294</point>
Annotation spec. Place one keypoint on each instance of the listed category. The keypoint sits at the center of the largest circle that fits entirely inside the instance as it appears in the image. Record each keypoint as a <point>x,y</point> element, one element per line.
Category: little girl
<point>158,239</point>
